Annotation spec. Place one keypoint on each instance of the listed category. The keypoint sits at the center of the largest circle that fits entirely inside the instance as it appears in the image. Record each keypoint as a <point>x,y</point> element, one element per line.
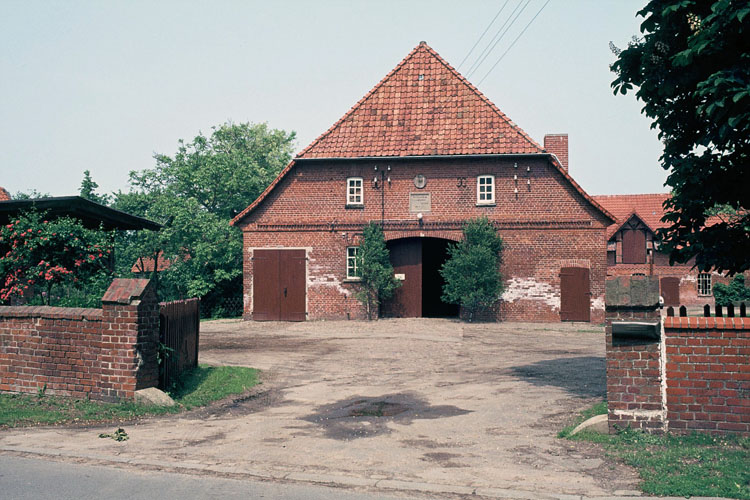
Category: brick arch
<point>445,235</point>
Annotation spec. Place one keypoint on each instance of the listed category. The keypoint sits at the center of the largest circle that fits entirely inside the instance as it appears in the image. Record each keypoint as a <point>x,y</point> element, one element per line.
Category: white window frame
<point>358,191</point>
<point>705,286</point>
<point>483,196</point>
<point>351,263</point>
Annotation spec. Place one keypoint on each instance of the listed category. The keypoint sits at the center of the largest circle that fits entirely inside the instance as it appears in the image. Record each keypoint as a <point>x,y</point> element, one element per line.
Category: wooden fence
<point>731,311</point>
<point>179,325</point>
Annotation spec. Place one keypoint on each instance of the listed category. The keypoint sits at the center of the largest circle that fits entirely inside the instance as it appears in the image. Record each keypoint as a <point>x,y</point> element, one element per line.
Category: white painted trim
<point>494,184</point>
<point>362,192</point>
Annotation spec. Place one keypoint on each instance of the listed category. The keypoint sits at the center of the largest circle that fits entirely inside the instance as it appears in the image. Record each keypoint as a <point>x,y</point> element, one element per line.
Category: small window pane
<point>352,271</point>
<point>704,284</point>
<point>354,191</point>
<point>486,189</point>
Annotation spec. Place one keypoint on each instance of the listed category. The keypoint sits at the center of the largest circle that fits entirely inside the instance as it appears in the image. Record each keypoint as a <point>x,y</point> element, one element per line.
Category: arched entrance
<point>417,262</point>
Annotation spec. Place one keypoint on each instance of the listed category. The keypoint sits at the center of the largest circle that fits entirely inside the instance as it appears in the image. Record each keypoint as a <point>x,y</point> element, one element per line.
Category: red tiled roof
<point>146,264</point>
<point>422,107</point>
<point>4,194</point>
<point>648,208</point>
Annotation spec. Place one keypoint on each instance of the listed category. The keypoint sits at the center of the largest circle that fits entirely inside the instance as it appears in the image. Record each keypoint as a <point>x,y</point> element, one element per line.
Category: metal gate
<point>575,294</point>
<point>279,285</point>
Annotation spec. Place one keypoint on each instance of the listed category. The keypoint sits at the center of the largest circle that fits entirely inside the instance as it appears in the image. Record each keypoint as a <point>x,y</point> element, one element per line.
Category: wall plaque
<point>420,202</point>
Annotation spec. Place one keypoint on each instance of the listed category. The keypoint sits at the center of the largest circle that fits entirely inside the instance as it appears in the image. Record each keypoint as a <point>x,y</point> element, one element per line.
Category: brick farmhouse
<point>633,250</point>
<point>421,153</point>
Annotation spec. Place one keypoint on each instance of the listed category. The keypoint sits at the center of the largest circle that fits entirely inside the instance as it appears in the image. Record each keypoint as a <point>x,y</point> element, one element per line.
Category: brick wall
<point>708,374</point>
<point>545,225</point>
<point>696,376</point>
<point>104,354</point>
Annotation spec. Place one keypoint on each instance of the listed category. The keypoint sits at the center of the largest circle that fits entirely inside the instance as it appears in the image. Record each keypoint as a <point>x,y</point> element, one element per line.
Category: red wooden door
<point>575,294</point>
<point>279,285</point>
<point>670,291</point>
<point>292,271</point>
<point>633,246</point>
<point>406,258</point>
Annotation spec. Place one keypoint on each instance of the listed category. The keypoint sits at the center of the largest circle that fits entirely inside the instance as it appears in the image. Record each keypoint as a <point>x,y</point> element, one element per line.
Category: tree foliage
<point>375,270</point>
<point>691,68</point>
<point>88,190</point>
<point>194,195</point>
<point>472,271</point>
<point>736,291</point>
<point>42,258</point>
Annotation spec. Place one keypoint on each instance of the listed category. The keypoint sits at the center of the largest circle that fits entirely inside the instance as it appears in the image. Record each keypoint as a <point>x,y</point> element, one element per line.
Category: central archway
<point>417,262</point>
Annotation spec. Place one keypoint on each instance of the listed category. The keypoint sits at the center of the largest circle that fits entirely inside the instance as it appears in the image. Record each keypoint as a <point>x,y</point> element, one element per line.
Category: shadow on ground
<point>360,417</point>
<point>583,376</point>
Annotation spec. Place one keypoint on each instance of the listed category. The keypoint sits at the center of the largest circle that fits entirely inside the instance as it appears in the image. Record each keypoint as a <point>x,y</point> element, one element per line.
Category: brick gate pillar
<point>635,350</point>
<point>130,337</point>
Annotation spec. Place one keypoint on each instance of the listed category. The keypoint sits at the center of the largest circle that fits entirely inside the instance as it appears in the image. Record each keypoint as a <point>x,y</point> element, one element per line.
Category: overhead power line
<point>482,35</point>
<point>514,42</point>
<point>488,50</point>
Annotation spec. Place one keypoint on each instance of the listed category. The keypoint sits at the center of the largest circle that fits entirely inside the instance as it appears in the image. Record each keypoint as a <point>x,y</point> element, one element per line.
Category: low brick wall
<point>694,376</point>
<point>104,354</point>
<point>708,374</point>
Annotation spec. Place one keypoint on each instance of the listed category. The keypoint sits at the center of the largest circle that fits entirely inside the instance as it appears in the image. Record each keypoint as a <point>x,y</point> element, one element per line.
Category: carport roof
<point>91,214</point>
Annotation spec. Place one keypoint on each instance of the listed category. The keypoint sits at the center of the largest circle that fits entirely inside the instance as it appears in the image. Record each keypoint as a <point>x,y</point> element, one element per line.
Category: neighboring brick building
<point>4,194</point>
<point>423,152</point>
<point>633,250</point>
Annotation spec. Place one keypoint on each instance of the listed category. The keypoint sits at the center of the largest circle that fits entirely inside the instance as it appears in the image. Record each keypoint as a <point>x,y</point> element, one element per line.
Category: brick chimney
<point>557,144</point>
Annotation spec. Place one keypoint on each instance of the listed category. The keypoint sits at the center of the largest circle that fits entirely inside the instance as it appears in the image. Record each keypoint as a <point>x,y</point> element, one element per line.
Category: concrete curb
<point>334,480</point>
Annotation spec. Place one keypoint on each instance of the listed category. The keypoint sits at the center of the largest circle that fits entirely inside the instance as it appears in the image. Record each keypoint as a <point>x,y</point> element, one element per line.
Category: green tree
<point>472,271</point>
<point>375,270</point>
<point>31,194</point>
<point>43,259</point>
<point>88,190</point>
<point>736,291</point>
<point>691,67</point>
<point>194,195</point>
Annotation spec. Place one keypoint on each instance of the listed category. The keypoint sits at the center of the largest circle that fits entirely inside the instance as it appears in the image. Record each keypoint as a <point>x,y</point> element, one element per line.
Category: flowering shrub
<point>39,255</point>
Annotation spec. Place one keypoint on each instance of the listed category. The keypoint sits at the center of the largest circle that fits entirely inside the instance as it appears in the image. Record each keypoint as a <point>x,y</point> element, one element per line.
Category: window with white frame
<point>352,270</point>
<point>354,195</point>
<point>485,190</point>
<point>704,284</point>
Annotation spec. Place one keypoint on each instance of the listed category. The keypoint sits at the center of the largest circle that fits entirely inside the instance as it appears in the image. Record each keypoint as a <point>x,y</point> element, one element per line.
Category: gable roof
<point>423,107</point>
<point>647,207</point>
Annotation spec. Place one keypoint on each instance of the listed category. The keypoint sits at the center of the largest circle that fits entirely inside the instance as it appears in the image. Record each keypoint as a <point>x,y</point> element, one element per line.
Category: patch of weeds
<point>671,465</point>
<point>119,435</point>
<point>197,387</point>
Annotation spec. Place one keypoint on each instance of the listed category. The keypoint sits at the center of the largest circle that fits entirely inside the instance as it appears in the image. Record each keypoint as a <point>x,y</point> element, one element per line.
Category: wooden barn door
<point>670,291</point>
<point>575,294</point>
<point>279,285</point>
<point>406,258</point>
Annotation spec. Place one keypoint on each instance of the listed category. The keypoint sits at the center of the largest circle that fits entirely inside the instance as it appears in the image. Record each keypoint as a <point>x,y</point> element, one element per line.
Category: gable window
<point>486,190</point>
<point>352,271</point>
<point>354,194</point>
<point>704,284</point>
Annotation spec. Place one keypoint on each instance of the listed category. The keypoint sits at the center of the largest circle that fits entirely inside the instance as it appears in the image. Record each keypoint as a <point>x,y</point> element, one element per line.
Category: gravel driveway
<point>421,400</point>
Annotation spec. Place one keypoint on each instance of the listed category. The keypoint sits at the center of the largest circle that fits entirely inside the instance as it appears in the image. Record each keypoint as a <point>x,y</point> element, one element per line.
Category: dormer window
<point>354,192</point>
<point>486,190</point>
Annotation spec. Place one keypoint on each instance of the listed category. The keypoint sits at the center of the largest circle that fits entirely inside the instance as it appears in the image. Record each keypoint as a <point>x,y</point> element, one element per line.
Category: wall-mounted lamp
<point>419,218</point>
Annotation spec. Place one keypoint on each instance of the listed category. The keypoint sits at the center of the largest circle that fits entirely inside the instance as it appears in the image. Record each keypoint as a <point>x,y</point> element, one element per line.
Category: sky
<point>104,85</point>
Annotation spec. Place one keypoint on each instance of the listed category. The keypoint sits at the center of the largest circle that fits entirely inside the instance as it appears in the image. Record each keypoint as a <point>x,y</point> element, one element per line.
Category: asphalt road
<point>26,478</point>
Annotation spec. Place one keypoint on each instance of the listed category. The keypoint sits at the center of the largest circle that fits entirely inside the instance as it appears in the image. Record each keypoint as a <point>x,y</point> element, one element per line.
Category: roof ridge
<point>484,98</point>
<point>362,100</point>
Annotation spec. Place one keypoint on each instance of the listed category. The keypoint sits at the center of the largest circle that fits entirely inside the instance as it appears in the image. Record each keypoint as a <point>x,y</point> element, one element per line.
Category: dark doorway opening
<point>434,254</point>
<point>417,261</point>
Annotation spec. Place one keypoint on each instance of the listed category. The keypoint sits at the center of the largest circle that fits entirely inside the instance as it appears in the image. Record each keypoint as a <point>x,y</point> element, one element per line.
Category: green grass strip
<point>198,387</point>
<point>671,465</point>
